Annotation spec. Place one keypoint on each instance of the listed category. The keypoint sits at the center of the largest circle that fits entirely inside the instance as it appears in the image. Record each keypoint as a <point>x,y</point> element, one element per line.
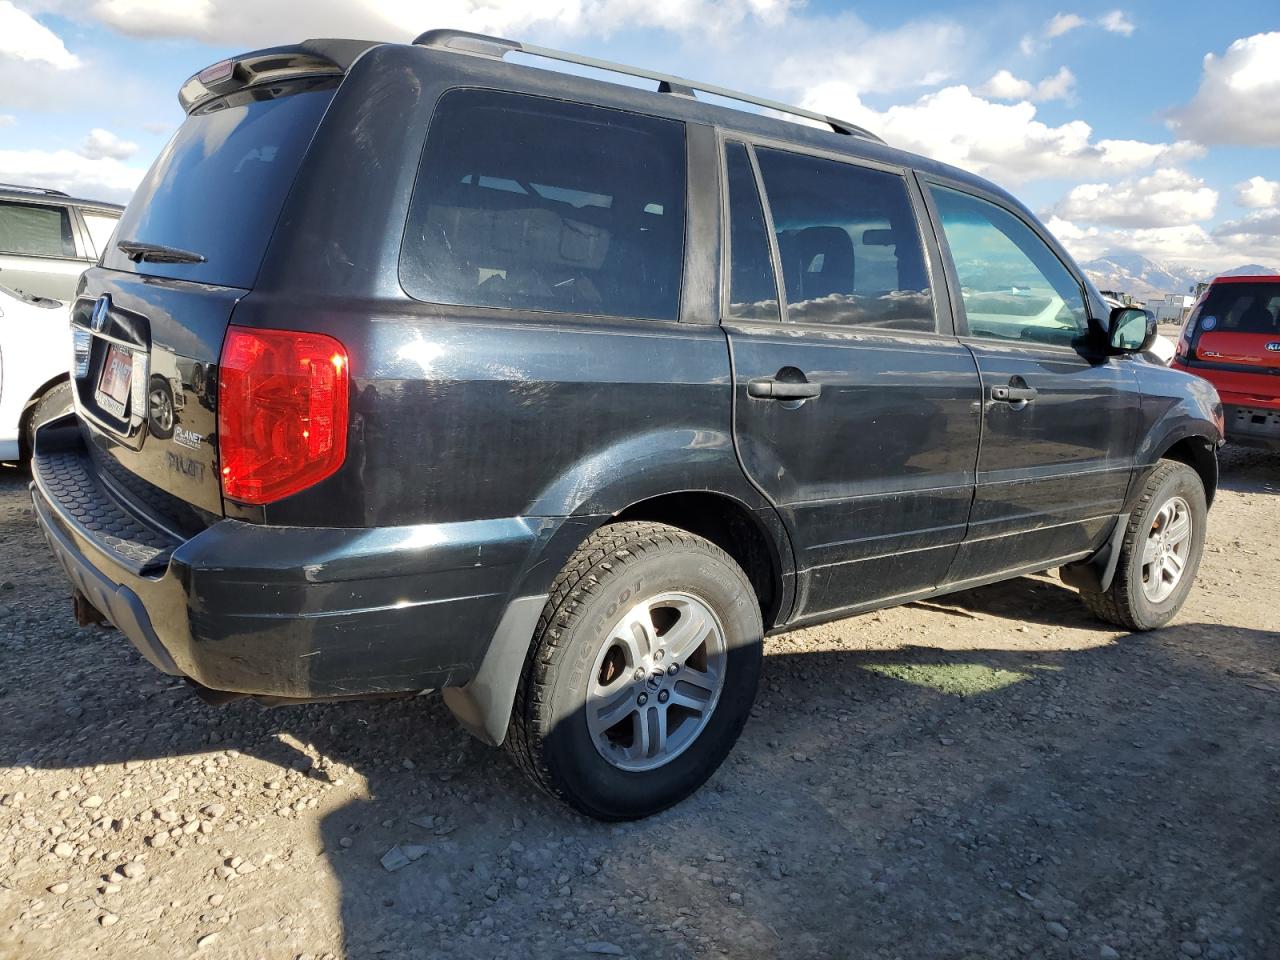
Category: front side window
<point>35,230</point>
<point>753,291</point>
<point>849,243</point>
<point>535,204</point>
<point>1013,286</point>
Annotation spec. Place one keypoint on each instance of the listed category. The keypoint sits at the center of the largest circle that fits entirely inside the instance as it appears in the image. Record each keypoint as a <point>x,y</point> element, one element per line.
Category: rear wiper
<point>156,253</point>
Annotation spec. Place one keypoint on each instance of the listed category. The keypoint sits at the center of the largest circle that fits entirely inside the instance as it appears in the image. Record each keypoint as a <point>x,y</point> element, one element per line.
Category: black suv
<point>414,368</point>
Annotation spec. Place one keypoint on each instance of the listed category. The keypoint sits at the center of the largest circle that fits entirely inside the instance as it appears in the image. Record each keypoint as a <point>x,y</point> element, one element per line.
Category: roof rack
<point>497,48</point>
<point>26,189</point>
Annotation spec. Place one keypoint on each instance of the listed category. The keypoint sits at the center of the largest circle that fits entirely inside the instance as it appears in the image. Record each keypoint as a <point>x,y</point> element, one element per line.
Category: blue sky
<point>1106,119</point>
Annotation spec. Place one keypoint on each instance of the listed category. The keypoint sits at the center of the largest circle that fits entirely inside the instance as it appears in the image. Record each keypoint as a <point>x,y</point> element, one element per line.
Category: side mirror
<point>1131,329</point>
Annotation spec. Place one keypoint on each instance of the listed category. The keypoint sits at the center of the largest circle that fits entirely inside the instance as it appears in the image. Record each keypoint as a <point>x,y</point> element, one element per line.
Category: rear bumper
<point>295,612</point>
<point>1253,425</point>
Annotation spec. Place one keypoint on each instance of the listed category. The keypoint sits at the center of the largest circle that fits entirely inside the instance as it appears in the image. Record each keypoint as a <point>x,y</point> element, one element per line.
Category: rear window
<point>535,204</point>
<point>1241,308</point>
<point>217,187</point>
<point>35,230</point>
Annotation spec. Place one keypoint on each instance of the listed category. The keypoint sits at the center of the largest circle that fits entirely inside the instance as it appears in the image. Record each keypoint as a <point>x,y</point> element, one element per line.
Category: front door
<point>1060,419</point>
<point>854,413</point>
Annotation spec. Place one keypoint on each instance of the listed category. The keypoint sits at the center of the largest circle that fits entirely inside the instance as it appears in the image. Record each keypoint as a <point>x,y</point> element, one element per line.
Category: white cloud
<point>7,120</point>
<point>1061,23</point>
<point>1117,21</point>
<point>1002,141</point>
<point>1190,246</point>
<point>1165,198</point>
<point>1260,226</point>
<point>255,23</point>
<point>24,37</point>
<point>1003,85</point>
<point>105,179</point>
<point>1239,96</point>
<point>917,54</point>
<point>100,144</point>
<point>1258,192</point>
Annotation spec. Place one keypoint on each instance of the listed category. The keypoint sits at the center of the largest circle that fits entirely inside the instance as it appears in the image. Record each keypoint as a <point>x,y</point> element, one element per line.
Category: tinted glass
<point>849,243</point>
<point>1014,287</point>
<point>537,204</point>
<point>753,290</point>
<point>35,230</point>
<point>1242,308</point>
<point>217,187</point>
<point>101,226</point>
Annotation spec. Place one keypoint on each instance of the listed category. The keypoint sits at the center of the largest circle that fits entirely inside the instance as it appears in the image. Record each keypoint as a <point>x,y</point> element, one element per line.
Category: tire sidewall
<point>1185,483</point>
<point>596,785</point>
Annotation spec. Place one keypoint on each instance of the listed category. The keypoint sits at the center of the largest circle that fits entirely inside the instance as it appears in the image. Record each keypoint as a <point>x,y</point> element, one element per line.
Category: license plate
<point>113,384</point>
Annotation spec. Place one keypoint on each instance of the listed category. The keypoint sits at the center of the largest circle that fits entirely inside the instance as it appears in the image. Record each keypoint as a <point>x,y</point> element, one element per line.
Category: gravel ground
<point>989,775</point>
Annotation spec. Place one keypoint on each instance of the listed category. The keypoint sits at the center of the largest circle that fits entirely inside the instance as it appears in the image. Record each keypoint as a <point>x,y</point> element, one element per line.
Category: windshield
<point>1242,308</point>
<point>217,187</point>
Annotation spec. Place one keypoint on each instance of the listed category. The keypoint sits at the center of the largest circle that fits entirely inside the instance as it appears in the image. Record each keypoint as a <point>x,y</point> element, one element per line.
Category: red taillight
<point>282,412</point>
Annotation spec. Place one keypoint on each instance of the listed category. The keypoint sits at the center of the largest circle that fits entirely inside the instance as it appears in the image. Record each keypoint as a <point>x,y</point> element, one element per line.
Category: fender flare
<point>584,498</point>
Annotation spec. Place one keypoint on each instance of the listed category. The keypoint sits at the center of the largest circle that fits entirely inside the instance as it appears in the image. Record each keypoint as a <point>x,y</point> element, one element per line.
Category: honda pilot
<point>412,368</point>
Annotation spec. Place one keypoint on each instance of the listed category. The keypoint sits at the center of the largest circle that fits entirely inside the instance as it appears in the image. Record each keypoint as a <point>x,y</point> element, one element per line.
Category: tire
<point>677,583</point>
<point>1129,602</point>
<point>53,403</point>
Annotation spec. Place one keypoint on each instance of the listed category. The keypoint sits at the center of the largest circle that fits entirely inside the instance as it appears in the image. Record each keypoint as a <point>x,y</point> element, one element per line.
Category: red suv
<point>1232,339</point>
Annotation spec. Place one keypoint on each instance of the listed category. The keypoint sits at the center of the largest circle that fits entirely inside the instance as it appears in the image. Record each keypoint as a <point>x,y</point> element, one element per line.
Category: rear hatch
<point>1234,338</point>
<point>151,318</point>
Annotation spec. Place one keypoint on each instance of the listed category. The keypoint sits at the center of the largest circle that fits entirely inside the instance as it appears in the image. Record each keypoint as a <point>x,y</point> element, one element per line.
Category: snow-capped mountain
<point>1143,278</point>
<point>1139,276</point>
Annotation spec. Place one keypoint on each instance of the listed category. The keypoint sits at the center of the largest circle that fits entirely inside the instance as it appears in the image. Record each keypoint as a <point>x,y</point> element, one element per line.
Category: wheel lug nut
<point>638,675</point>
<point>664,696</point>
<point>642,699</point>
<point>659,654</point>
<point>673,668</point>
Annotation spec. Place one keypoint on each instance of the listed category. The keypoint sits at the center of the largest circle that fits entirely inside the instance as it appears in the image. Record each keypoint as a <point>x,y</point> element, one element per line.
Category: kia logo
<point>1274,346</point>
<point>98,319</point>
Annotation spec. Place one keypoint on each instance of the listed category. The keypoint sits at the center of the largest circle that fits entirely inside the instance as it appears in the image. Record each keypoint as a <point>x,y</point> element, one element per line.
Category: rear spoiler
<point>310,58</point>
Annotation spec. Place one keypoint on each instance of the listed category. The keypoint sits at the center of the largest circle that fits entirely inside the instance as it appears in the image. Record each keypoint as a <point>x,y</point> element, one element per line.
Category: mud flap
<point>1094,574</point>
<point>483,706</point>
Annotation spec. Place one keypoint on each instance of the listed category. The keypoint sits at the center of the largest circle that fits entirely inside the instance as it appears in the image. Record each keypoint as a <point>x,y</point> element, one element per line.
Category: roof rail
<point>497,48</point>
<point>26,189</point>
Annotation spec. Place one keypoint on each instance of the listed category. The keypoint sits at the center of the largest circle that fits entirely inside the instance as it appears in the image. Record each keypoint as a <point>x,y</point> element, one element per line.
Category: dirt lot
<point>994,775</point>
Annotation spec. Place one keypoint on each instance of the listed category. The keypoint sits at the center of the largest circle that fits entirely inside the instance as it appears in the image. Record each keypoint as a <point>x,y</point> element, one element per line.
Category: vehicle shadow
<point>1249,469</point>
<point>959,801</point>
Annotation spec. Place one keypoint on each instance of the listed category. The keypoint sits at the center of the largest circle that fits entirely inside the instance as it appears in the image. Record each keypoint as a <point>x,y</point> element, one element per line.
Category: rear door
<point>856,410</point>
<point>1059,422</point>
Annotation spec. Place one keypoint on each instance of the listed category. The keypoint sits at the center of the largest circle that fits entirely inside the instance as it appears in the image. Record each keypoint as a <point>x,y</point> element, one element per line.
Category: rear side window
<point>753,291</point>
<point>217,187</point>
<point>36,230</point>
<point>1013,285</point>
<point>536,204</point>
<point>1241,308</point>
<point>849,243</point>
<point>101,226</point>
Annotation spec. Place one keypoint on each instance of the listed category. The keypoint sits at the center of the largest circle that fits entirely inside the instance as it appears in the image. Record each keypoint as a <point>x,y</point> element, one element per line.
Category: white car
<point>35,356</point>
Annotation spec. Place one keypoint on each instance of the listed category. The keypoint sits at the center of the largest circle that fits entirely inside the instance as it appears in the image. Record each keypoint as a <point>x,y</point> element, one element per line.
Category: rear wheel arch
<point>735,529</point>
<point>29,409</point>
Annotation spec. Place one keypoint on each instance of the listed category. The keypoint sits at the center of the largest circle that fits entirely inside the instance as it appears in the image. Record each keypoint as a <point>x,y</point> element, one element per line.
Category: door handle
<point>768,388</point>
<point>1013,394</point>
